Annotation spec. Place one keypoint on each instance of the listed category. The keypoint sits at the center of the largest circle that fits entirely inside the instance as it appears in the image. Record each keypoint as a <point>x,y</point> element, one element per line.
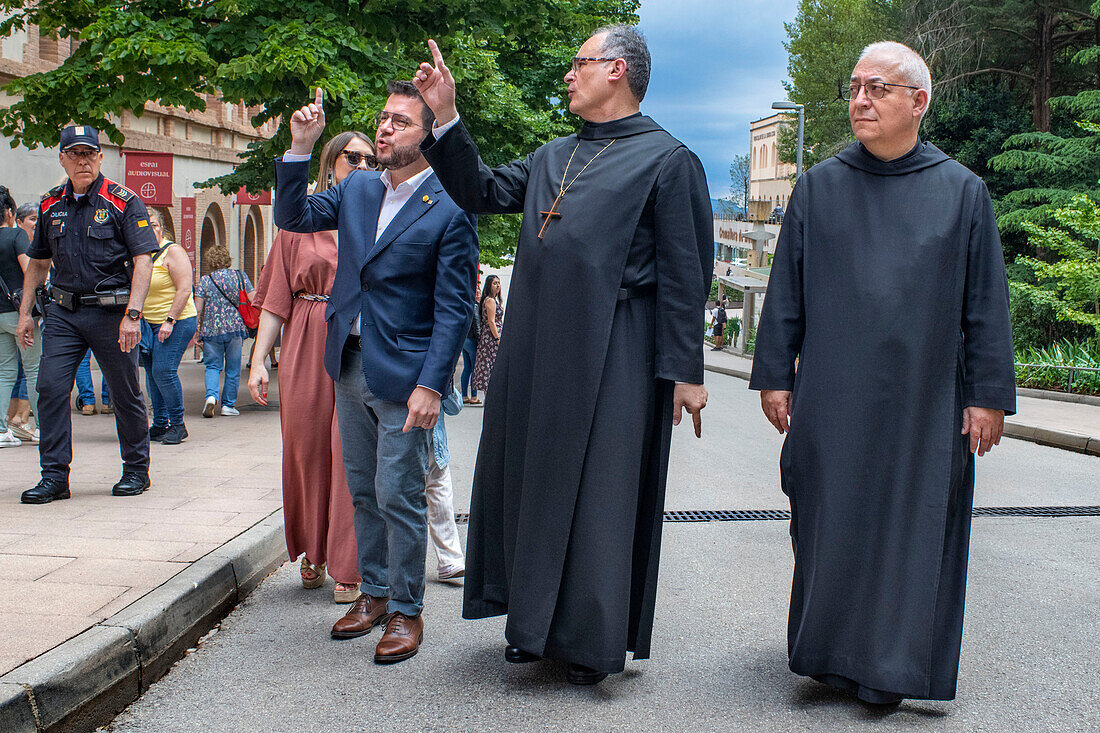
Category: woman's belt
<point>303,295</point>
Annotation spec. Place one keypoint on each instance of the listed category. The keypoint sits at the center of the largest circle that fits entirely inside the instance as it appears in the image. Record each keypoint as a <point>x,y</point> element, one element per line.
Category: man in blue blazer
<point>397,317</point>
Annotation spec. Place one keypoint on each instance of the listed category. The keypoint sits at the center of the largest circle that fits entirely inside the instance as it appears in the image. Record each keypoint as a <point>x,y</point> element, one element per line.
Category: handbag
<point>16,299</point>
<point>249,313</point>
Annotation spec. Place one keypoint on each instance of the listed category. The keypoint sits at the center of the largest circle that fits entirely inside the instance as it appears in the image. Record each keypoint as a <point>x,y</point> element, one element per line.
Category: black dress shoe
<point>580,675</point>
<point>515,655</point>
<point>132,483</point>
<point>175,434</point>
<point>46,491</point>
<point>156,432</point>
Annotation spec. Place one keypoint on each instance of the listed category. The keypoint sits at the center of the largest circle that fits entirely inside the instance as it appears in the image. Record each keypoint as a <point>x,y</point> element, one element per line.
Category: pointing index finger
<point>320,96</point>
<point>437,57</point>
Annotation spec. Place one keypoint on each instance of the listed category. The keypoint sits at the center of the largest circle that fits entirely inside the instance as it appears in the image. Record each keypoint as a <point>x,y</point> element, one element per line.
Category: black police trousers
<point>66,335</point>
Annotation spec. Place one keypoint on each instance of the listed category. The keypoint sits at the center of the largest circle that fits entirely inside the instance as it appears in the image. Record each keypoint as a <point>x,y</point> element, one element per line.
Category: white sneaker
<point>7,440</point>
<point>208,407</point>
<point>228,411</point>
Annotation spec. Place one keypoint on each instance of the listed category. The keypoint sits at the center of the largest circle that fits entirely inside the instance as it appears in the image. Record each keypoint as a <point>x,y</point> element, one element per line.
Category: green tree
<point>1069,286</point>
<point>824,42</point>
<point>508,57</point>
<point>740,175</point>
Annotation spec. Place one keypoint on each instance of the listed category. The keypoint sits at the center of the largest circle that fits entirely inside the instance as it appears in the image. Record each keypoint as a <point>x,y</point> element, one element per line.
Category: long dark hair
<point>7,203</point>
<point>487,291</point>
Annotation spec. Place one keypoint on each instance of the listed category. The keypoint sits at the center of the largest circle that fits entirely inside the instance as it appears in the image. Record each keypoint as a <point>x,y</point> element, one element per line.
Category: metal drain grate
<point>749,515</point>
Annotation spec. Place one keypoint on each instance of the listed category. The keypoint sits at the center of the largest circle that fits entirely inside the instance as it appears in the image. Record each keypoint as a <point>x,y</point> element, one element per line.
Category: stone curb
<point>1046,394</point>
<point>1044,436</point>
<point>1075,442</point>
<point>741,374</point>
<point>86,681</point>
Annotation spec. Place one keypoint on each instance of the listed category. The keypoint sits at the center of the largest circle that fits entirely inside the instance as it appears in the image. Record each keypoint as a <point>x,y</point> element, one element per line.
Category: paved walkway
<point>71,564</point>
<point>1068,425</point>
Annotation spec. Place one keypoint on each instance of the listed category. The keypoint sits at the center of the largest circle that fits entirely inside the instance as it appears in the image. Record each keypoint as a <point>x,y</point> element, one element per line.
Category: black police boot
<point>578,674</point>
<point>46,491</point>
<point>132,483</point>
<point>156,432</point>
<point>175,434</point>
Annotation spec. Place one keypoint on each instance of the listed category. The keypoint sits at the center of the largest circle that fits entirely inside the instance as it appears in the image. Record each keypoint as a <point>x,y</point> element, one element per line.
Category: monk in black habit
<point>889,288</point>
<point>602,350</point>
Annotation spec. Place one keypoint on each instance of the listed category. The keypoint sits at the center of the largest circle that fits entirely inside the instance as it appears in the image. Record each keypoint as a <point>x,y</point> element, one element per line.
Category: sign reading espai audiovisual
<point>149,175</point>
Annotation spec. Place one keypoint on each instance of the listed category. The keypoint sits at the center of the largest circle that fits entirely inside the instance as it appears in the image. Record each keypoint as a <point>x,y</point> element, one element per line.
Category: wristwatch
<point>169,320</point>
<point>133,314</point>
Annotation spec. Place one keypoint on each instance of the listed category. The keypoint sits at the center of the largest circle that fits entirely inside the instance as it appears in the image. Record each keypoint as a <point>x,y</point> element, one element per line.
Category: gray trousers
<point>385,470</point>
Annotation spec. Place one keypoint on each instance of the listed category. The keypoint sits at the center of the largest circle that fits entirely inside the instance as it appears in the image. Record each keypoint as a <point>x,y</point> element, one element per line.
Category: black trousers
<point>66,335</point>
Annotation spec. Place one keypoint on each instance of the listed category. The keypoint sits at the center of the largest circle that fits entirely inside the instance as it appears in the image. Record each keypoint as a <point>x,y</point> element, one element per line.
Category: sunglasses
<point>354,158</point>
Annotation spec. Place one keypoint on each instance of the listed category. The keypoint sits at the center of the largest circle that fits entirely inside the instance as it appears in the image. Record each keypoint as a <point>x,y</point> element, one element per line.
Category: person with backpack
<point>222,329</point>
<point>170,320</point>
<point>719,314</point>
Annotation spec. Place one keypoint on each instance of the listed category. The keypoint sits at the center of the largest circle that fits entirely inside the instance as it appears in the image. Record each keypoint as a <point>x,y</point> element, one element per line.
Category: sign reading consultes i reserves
<point>187,229</point>
<point>149,175</point>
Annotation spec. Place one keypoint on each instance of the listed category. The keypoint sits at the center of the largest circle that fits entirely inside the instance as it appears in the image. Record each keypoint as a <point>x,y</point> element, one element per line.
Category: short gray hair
<point>25,210</point>
<point>913,69</point>
<point>626,43</point>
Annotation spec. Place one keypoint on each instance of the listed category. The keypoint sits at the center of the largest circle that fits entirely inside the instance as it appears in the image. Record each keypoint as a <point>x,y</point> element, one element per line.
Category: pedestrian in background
<point>85,389</point>
<point>170,319</point>
<point>222,330</point>
<point>492,321</point>
<point>293,293</point>
<point>442,527</point>
<point>96,304</point>
<point>13,261</point>
<point>469,357</point>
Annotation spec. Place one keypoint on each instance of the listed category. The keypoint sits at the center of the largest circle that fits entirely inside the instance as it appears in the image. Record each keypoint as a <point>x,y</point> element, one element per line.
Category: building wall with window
<point>202,145</point>
<point>769,178</point>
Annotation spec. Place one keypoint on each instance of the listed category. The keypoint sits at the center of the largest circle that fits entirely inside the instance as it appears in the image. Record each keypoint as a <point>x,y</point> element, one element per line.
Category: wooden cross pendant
<point>550,215</point>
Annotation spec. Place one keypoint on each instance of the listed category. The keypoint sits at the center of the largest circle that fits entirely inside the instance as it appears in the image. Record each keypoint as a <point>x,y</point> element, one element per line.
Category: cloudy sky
<point>717,65</point>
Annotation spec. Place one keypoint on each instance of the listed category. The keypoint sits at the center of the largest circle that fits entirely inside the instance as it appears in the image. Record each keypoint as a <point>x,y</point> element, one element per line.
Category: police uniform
<point>92,240</point>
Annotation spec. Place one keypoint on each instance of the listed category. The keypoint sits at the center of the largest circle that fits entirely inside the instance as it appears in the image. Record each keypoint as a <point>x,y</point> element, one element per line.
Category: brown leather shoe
<point>366,613</point>
<point>401,640</point>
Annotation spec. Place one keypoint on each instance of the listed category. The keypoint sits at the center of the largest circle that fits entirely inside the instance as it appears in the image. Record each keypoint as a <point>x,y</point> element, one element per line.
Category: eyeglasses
<point>874,89</point>
<point>399,122</point>
<point>354,158</point>
<point>580,61</point>
<point>82,154</point>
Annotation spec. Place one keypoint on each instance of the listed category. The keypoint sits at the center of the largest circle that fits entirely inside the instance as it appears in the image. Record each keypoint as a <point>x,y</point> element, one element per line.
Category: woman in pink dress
<point>292,293</point>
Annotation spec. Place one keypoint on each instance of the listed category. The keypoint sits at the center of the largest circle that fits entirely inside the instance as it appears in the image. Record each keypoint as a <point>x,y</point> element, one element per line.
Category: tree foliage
<point>508,58</point>
<point>740,175</point>
<point>1068,285</point>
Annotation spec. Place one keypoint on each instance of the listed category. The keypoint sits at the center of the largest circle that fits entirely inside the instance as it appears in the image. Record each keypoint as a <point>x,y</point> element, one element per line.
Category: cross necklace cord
<point>553,212</point>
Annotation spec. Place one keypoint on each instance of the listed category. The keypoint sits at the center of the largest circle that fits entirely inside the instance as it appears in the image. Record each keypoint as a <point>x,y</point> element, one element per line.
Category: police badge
<point>101,216</point>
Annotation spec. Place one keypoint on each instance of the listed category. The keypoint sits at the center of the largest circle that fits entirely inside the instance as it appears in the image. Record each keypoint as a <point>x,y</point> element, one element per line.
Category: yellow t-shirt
<point>162,291</point>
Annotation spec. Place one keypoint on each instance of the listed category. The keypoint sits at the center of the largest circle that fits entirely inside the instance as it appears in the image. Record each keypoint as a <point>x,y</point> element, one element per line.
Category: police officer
<point>96,235</point>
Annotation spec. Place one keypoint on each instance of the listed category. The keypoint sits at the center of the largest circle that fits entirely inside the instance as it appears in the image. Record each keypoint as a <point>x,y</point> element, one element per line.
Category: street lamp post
<point>801,116</point>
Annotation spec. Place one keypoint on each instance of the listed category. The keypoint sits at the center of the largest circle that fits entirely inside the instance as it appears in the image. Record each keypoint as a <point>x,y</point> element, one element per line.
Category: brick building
<point>167,150</point>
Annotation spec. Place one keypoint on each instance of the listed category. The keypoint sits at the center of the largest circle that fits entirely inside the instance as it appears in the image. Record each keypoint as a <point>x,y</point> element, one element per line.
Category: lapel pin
<point>427,200</point>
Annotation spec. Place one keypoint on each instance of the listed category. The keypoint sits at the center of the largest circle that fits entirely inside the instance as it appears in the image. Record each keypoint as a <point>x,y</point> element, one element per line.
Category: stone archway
<point>213,234</point>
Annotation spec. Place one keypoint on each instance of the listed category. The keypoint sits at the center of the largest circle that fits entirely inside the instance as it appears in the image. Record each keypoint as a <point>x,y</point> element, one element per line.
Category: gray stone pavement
<point>71,564</point>
<point>719,659</point>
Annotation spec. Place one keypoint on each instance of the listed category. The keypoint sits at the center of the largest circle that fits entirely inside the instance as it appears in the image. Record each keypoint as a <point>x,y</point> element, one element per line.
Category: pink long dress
<point>317,509</point>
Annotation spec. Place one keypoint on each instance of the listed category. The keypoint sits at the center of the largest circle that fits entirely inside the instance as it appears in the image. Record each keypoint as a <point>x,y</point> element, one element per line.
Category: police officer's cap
<point>74,135</point>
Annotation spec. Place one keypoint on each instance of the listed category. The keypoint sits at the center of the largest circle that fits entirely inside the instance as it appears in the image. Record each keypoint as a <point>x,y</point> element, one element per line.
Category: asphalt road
<point>719,653</point>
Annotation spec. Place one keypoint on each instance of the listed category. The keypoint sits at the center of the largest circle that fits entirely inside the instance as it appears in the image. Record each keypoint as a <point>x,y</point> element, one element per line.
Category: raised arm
<point>295,210</point>
<point>454,156</point>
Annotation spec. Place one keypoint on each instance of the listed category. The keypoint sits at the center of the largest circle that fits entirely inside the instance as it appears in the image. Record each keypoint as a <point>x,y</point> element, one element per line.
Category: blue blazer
<point>413,287</point>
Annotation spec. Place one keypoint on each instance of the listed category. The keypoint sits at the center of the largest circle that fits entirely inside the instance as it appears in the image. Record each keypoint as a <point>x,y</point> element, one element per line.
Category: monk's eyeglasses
<point>874,89</point>
<point>580,61</point>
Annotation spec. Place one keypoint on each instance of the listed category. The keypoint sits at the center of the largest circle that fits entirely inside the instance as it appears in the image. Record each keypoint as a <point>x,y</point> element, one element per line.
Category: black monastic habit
<point>889,287</point>
<point>604,316</point>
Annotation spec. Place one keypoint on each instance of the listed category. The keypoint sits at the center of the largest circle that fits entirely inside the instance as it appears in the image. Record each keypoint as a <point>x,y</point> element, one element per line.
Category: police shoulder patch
<point>54,192</point>
<point>117,189</point>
